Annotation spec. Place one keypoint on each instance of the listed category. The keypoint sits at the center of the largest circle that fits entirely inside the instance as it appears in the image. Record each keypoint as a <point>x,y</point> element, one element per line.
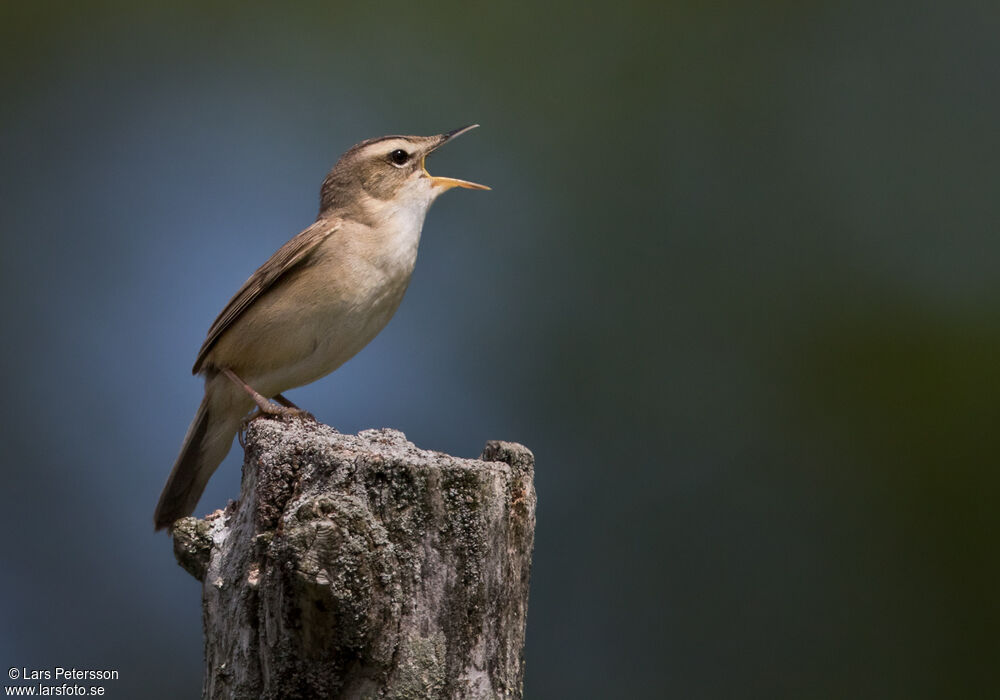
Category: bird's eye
<point>399,156</point>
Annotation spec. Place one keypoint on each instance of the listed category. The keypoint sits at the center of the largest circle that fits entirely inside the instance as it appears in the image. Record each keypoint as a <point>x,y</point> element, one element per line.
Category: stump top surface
<point>274,436</point>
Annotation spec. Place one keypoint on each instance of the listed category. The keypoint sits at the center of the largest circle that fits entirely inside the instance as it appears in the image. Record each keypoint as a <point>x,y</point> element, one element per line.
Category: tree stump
<point>363,567</point>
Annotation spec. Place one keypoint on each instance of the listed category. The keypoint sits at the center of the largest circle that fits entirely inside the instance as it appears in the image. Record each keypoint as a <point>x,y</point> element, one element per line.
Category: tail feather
<point>206,444</point>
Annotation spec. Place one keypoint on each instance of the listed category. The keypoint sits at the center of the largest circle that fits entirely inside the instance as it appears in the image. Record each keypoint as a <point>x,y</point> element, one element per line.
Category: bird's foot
<point>265,407</point>
<point>245,423</point>
<point>272,410</point>
<point>291,410</point>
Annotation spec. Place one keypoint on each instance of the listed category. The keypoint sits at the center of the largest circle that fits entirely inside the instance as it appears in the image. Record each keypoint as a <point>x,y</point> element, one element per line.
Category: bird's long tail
<point>205,446</point>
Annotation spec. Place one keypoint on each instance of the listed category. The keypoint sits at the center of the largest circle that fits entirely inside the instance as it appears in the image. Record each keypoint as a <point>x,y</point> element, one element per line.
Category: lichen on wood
<point>364,567</point>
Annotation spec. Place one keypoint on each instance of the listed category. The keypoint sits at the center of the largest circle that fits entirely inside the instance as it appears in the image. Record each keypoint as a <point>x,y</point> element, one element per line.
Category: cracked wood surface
<point>359,566</point>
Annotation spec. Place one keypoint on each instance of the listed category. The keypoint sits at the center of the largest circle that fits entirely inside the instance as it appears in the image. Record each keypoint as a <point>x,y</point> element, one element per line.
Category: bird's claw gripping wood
<point>287,411</point>
<point>265,407</point>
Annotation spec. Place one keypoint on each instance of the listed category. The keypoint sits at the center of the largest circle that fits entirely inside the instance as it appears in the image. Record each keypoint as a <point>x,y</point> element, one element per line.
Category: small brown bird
<point>314,304</point>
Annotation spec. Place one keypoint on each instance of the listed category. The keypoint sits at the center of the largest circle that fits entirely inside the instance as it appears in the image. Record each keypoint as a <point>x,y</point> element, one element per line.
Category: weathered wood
<point>363,567</point>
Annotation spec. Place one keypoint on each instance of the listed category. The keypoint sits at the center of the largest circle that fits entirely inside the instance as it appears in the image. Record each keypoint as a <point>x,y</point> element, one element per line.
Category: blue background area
<point>736,286</point>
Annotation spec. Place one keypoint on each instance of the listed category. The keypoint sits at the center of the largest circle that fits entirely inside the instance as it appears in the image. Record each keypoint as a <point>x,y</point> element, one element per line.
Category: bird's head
<point>389,171</point>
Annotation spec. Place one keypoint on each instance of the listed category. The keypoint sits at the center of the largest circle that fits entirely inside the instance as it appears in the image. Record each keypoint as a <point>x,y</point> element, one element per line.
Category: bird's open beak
<point>449,182</point>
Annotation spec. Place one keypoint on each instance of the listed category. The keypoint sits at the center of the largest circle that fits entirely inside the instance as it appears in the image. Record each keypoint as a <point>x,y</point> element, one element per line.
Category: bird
<point>321,298</point>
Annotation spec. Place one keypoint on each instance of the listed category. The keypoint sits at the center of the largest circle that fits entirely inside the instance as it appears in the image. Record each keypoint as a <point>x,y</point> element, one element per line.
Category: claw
<point>265,407</point>
<point>245,423</point>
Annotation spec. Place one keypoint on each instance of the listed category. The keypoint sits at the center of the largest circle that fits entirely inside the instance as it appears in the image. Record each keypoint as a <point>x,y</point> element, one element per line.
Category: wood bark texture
<point>359,566</point>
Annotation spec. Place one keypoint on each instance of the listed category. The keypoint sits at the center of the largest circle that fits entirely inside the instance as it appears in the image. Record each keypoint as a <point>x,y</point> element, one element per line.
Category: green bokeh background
<point>736,285</point>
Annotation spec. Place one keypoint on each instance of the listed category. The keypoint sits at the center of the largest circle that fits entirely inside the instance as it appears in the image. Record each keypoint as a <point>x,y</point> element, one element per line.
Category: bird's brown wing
<point>291,255</point>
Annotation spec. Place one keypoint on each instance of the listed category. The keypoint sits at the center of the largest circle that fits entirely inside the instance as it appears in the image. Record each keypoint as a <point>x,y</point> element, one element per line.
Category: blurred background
<point>736,286</point>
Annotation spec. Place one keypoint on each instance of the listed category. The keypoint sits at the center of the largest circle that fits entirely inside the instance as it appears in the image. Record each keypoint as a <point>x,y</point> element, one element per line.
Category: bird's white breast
<point>398,229</point>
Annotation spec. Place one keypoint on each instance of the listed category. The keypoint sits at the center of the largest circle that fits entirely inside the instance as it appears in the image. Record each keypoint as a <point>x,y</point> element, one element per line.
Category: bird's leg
<point>264,406</point>
<point>284,402</point>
